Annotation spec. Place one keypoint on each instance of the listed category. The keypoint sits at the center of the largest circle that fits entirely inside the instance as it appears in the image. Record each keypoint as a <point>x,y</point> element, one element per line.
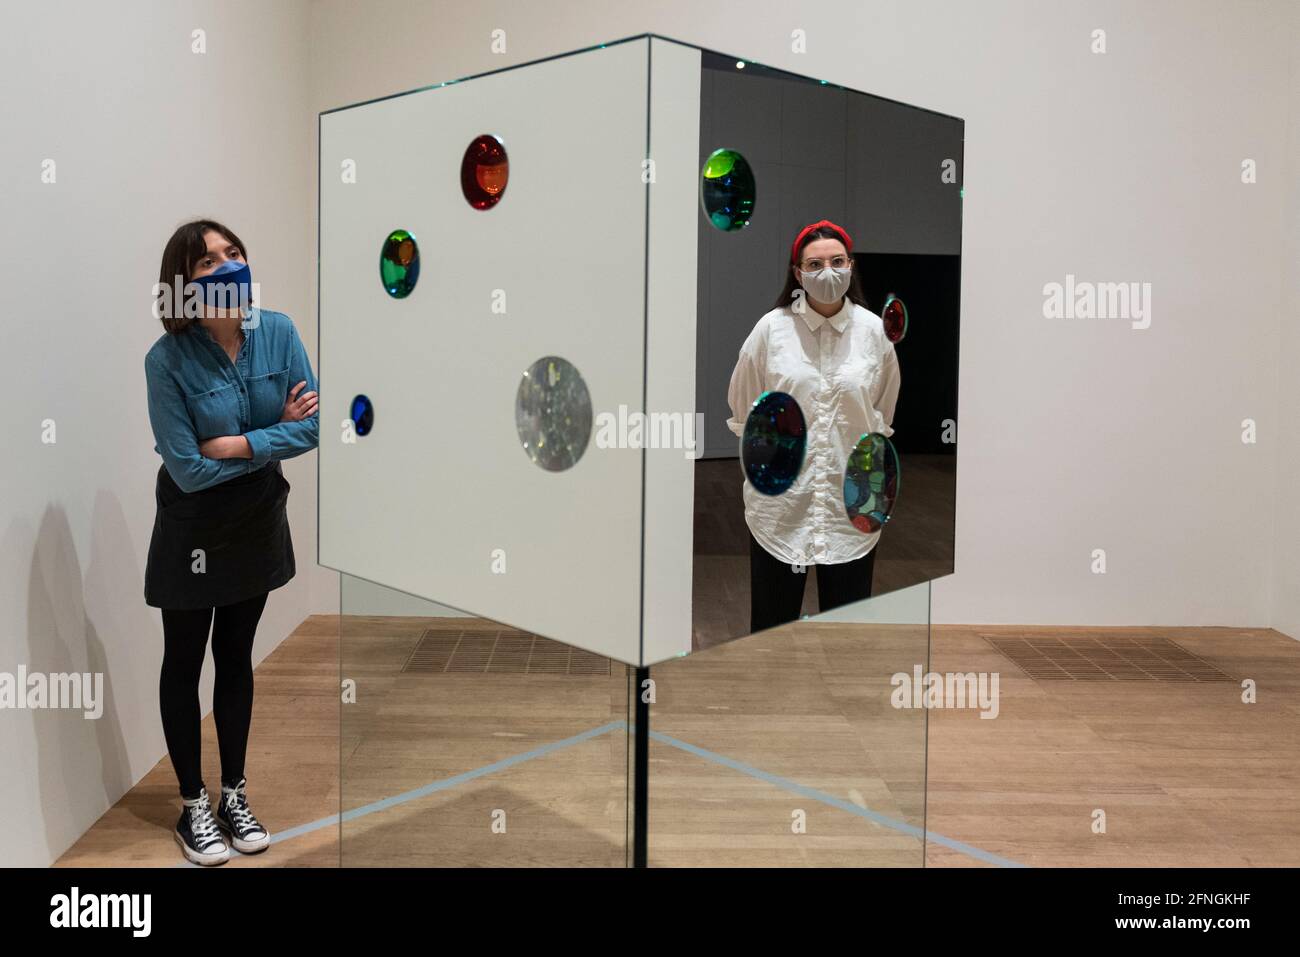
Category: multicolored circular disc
<point>772,447</point>
<point>727,190</point>
<point>871,482</point>
<point>895,316</point>
<point>399,263</point>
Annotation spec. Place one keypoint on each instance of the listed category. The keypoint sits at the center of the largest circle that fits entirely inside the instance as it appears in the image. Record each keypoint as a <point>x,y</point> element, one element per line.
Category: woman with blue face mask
<point>823,347</point>
<point>231,393</point>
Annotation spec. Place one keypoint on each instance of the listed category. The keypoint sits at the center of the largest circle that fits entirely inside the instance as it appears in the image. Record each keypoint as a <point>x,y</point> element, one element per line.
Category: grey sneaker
<point>234,817</point>
<point>197,833</point>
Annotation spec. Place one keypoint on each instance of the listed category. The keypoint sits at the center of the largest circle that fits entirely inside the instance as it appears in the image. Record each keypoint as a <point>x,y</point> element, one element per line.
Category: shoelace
<point>202,824</point>
<point>237,808</point>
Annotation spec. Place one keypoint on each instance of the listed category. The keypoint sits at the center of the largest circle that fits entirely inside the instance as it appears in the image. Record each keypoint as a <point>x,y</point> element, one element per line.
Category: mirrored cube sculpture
<point>543,436</point>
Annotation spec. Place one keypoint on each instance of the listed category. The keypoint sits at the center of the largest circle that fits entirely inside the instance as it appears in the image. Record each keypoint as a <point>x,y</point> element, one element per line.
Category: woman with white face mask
<point>823,347</point>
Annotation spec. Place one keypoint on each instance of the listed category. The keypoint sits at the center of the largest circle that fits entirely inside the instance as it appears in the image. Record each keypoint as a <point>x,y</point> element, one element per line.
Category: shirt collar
<point>814,319</point>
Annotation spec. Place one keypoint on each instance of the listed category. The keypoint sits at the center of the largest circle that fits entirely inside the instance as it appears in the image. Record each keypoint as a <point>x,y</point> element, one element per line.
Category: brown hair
<point>854,292</point>
<point>182,252</point>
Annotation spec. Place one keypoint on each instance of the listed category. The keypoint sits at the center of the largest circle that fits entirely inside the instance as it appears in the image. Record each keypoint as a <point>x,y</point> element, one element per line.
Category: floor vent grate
<point>1104,658</point>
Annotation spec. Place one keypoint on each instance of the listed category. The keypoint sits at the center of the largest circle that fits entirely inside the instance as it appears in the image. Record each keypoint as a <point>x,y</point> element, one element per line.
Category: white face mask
<point>828,285</point>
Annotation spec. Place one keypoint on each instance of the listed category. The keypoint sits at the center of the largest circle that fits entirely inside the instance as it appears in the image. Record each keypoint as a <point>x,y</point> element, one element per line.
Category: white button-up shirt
<point>843,372</point>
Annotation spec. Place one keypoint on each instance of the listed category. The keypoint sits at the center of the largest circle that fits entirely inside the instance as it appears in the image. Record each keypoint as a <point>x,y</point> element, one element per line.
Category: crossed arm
<point>297,408</point>
<point>195,465</point>
<point>295,433</point>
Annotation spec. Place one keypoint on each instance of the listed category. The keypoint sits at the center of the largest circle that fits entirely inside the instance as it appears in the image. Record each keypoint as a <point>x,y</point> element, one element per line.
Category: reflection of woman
<point>225,403</point>
<point>822,346</point>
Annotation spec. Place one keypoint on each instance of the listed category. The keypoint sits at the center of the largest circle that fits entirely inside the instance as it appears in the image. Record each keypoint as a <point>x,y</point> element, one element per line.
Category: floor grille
<point>503,652</point>
<point>1104,658</point>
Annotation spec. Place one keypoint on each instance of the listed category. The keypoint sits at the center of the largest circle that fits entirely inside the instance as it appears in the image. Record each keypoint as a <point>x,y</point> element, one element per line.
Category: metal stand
<point>640,768</point>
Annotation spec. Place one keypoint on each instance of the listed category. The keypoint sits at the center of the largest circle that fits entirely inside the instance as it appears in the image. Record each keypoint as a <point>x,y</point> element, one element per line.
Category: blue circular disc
<point>363,414</point>
<point>772,448</point>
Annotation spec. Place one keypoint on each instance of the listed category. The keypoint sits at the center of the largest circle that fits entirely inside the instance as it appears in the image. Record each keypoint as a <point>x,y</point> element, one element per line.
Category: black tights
<point>185,637</point>
<point>776,589</point>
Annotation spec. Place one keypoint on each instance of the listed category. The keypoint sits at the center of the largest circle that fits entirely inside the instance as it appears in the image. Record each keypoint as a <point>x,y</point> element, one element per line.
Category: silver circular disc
<point>553,413</point>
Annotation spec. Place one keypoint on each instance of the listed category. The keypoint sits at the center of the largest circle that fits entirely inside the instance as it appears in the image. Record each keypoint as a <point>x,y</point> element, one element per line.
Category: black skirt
<point>221,544</point>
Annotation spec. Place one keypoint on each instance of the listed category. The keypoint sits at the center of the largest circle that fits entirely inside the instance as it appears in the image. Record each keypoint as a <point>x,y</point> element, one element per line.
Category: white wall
<point>1286,562</point>
<point>1075,435</point>
<point>145,135</point>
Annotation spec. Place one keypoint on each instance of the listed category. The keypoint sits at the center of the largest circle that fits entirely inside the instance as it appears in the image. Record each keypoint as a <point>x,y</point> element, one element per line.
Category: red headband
<point>844,237</point>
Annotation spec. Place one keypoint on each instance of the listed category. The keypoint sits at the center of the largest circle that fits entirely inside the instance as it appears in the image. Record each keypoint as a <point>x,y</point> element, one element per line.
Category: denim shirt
<point>196,393</point>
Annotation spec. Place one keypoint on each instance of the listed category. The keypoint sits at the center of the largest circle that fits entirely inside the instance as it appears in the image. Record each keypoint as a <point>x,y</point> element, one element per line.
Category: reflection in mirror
<point>468,743</point>
<point>858,237</point>
<point>801,725</point>
<point>727,190</point>
<point>871,482</point>
<point>894,315</point>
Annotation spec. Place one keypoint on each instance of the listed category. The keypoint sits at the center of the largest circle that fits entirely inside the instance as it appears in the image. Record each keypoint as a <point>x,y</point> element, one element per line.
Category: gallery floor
<point>530,769</point>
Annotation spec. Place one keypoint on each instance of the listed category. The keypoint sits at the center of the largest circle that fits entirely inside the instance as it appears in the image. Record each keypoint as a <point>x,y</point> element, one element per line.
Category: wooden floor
<point>292,767</point>
<point>1185,773</point>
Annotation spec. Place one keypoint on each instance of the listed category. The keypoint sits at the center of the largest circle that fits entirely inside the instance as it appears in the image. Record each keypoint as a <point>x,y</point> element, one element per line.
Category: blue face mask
<point>227,286</point>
